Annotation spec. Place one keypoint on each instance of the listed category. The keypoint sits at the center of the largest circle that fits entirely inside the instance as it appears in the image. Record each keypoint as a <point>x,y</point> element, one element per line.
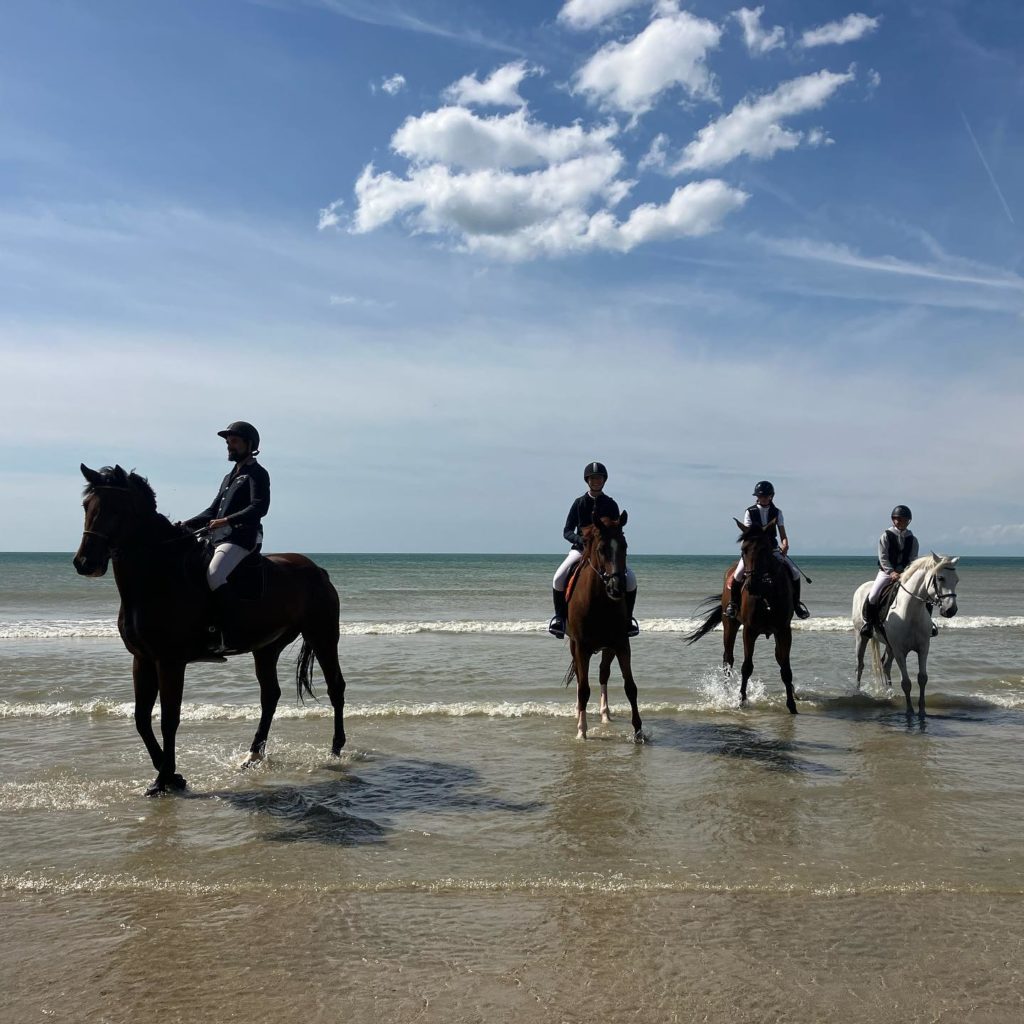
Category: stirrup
<point>867,630</point>
<point>556,627</point>
<point>730,610</point>
<point>801,611</point>
<point>935,630</point>
<point>634,628</point>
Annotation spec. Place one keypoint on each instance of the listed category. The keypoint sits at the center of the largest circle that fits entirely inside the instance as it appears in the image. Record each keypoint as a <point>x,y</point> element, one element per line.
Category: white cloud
<point>849,30</point>
<point>584,14</point>
<point>997,534</point>
<point>757,39</point>
<point>330,216</point>
<point>393,85</point>
<point>459,137</point>
<point>753,127</point>
<point>657,155</point>
<point>501,89</point>
<point>670,51</point>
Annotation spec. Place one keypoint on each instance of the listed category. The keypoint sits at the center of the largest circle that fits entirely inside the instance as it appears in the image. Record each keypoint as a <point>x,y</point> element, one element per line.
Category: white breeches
<point>225,557</point>
<point>574,556</point>
<point>878,586</point>
<point>794,571</point>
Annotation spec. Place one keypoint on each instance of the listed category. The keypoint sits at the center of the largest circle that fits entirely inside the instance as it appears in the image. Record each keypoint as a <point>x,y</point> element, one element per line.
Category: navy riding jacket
<point>582,514</point>
<point>243,499</point>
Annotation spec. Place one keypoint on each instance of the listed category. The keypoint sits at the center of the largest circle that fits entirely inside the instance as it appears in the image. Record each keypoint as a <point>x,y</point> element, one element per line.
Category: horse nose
<point>949,612</point>
<point>79,563</point>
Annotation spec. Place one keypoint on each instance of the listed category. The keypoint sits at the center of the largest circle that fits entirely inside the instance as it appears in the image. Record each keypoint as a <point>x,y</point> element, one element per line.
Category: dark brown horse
<point>598,620</point>
<point>766,607</point>
<point>166,613</point>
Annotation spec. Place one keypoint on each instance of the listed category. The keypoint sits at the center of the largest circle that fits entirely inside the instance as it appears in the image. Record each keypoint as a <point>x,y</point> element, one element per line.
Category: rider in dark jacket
<point>581,514</point>
<point>233,518</point>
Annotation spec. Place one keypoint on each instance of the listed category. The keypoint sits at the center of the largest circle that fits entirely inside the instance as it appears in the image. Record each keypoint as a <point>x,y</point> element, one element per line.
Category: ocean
<point>468,859</point>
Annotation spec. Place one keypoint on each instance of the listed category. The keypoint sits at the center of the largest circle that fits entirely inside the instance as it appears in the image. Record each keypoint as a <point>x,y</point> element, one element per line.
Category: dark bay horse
<point>766,608</point>
<point>598,620</point>
<point>166,612</point>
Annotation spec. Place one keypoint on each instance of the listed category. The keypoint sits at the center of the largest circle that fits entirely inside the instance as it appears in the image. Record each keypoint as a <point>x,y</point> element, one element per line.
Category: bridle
<point>605,577</point>
<point>936,598</point>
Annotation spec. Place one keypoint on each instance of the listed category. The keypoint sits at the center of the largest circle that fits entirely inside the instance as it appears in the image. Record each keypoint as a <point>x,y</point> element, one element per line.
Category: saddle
<point>887,598</point>
<point>571,582</point>
<point>248,580</point>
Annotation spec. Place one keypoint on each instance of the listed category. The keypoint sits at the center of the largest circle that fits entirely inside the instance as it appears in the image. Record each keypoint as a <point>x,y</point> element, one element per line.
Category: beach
<point>468,859</point>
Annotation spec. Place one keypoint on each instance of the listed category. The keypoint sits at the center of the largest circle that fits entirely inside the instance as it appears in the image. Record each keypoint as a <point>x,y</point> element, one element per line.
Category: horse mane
<point>115,476</point>
<point>929,561</point>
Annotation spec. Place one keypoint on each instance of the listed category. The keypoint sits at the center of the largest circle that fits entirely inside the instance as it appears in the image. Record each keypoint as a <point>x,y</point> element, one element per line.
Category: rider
<point>761,513</point>
<point>897,548</point>
<point>584,508</point>
<point>232,519</point>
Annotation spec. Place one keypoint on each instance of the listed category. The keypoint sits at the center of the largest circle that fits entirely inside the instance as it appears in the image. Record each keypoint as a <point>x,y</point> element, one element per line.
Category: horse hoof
<point>336,749</point>
<point>639,737</point>
<point>253,758</point>
<point>606,719</point>
<point>160,786</point>
<point>581,735</point>
<point>792,709</point>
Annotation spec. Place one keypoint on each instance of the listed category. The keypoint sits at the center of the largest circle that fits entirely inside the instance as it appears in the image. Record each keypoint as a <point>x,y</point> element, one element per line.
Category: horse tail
<point>876,660</point>
<point>570,673</point>
<point>713,620</point>
<point>303,673</point>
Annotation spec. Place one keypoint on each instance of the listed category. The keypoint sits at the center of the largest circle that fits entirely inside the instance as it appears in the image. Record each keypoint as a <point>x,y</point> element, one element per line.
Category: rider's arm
<point>571,532</point>
<point>883,556</point>
<point>782,536</point>
<point>259,498</point>
<point>914,548</point>
<point>205,516</point>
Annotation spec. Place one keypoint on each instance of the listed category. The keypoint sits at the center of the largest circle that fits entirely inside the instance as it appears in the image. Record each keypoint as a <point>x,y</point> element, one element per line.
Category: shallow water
<point>467,858</point>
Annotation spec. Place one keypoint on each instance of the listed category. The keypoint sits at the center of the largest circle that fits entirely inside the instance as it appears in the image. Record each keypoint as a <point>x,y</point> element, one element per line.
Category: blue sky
<point>445,253</point>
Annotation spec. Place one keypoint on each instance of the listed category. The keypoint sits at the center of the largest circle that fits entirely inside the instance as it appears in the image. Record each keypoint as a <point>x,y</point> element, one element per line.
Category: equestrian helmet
<point>594,469</point>
<point>246,431</point>
<point>902,512</point>
<point>763,487</point>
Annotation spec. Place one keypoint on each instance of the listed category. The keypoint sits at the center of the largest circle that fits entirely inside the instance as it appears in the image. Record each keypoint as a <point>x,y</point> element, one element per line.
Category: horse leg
<point>626,667</point>
<point>922,677</point>
<point>862,643</point>
<point>145,685</point>
<point>604,674</point>
<point>171,680</point>
<point>730,627</point>
<point>581,659</point>
<point>901,661</point>
<point>747,668</point>
<point>325,647</point>
<point>783,645</point>
<point>265,661</point>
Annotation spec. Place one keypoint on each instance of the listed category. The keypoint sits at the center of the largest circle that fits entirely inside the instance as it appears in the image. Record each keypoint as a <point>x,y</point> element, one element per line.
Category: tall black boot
<point>226,617</point>
<point>556,627</point>
<point>634,626</point>
<point>798,606</point>
<point>732,609</point>
<point>870,619</point>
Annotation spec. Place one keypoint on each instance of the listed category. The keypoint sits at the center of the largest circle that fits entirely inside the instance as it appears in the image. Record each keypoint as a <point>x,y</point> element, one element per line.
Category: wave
<point>716,694</point>
<point>72,629</point>
<point>591,883</point>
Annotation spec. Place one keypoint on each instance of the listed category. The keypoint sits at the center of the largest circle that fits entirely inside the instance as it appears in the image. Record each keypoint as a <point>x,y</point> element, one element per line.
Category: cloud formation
<point>757,39</point>
<point>584,14</point>
<point>671,51</point>
<point>835,33</point>
<point>393,85</point>
<point>501,89</point>
<point>754,126</point>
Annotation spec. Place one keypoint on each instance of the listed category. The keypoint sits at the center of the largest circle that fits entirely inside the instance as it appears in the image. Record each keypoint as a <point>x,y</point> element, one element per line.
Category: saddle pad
<point>571,582</point>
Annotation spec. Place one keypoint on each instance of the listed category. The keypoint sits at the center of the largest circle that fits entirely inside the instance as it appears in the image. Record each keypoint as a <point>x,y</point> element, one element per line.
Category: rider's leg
<point>798,606</point>
<point>634,626</point>
<point>225,558</point>
<point>732,609</point>
<point>556,627</point>
<point>871,604</point>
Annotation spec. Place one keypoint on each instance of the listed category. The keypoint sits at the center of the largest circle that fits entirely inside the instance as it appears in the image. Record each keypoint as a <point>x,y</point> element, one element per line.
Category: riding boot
<point>870,620</point>
<point>798,606</point>
<point>556,627</point>
<point>634,626</point>
<point>935,630</point>
<point>732,609</point>
<point>224,634</point>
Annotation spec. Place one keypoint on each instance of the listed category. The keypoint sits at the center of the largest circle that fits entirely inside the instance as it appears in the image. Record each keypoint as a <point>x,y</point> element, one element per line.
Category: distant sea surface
<point>467,859</point>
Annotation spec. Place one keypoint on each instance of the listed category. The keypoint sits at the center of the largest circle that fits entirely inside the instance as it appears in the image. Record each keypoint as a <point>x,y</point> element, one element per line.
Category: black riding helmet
<point>902,512</point>
<point>594,469</point>
<point>764,487</point>
<point>246,431</point>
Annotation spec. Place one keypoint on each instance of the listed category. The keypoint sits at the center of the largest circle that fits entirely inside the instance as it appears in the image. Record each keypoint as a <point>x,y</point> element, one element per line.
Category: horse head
<point>943,583</point>
<point>115,503</point>
<point>606,553</point>
<point>756,546</point>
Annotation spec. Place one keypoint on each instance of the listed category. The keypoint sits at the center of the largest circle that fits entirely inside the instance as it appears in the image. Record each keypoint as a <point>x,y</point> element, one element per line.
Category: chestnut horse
<point>166,611</point>
<point>766,607</point>
<point>598,620</point>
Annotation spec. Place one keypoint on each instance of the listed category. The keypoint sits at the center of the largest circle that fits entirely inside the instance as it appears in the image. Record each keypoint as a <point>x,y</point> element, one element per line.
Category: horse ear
<point>739,524</point>
<point>623,518</point>
<point>954,559</point>
<point>771,522</point>
<point>120,477</point>
<point>91,475</point>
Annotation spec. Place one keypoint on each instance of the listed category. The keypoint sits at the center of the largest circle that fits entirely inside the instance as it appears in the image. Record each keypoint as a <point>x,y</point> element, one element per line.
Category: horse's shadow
<point>744,743</point>
<point>360,809</point>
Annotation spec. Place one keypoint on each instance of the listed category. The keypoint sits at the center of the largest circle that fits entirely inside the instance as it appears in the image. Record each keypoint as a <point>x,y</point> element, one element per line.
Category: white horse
<point>908,626</point>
